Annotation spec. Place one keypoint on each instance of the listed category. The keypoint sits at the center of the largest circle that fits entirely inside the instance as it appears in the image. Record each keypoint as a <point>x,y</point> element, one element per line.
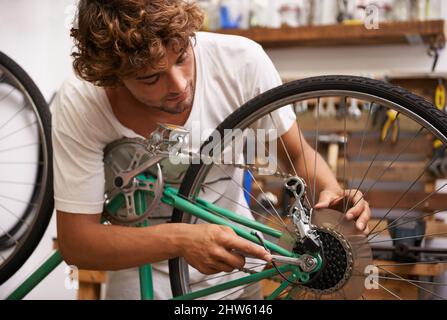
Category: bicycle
<point>319,253</point>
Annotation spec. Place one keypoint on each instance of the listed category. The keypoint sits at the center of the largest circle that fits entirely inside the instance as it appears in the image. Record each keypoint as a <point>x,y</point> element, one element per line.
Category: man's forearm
<point>309,165</point>
<point>110,247</point>
<point>316,169</point>
<point>325,178</point>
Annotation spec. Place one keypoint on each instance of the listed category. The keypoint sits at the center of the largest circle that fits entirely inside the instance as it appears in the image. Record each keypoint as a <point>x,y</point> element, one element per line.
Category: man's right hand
<point>212,248</point>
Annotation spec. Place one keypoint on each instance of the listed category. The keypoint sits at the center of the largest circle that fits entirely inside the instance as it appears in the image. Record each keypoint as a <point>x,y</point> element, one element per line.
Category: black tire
<point>29,238</point>
<point>394,94</point>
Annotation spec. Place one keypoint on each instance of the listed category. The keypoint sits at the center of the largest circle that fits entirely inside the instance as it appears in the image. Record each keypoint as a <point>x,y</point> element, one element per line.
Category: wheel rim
<point>14,233</point>
<point>197,184</point>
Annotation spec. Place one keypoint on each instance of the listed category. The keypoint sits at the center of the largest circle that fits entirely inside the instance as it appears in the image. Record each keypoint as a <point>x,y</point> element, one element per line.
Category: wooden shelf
<point>411,32</point>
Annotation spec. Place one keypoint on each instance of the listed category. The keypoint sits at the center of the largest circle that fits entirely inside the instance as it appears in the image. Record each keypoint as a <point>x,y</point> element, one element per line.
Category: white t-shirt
<point>230,70</point>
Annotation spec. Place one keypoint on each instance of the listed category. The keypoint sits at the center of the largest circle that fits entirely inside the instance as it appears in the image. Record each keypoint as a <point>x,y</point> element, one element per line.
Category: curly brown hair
<point>117,39</point>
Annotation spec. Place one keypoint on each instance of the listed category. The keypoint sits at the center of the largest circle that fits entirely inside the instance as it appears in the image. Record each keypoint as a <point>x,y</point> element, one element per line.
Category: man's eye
<point>182,58</point>
<point>152,80</point>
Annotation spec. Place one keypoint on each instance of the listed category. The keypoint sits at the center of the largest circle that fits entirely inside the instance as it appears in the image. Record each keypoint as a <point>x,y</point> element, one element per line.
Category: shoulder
<point>75,101</point>
<point>76,90</point>
<point>227,41</point>
<point>224,46</point>
<point>80,111</point>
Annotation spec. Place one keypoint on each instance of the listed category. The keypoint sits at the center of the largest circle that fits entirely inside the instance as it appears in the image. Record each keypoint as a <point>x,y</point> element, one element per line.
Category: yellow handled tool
<point>391,124</point>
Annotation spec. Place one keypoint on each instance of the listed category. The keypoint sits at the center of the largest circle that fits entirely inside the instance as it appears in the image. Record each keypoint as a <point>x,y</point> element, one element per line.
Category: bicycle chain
<point>154,150</point>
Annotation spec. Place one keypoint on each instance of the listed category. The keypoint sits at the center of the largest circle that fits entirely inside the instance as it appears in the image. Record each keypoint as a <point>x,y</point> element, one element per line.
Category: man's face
<point>170,89</point>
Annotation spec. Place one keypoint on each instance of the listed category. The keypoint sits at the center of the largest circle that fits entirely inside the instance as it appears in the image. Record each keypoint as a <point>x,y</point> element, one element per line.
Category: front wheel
<point>26,183</point>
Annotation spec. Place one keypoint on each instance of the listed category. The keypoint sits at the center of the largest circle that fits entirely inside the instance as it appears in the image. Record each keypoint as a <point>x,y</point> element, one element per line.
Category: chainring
<point>133,203</point>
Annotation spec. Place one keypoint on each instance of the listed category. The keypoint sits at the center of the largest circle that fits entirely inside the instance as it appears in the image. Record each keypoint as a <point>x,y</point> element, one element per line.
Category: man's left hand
<point>333,199</point>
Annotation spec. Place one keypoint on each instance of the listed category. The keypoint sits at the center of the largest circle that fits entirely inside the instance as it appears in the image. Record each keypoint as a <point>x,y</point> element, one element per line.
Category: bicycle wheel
<point>404,255</point>
<point>26,184</point>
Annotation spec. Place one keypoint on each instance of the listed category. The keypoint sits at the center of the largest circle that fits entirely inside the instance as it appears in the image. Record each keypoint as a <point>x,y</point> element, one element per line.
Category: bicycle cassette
<point>346,256</point>
<point>132,187</point>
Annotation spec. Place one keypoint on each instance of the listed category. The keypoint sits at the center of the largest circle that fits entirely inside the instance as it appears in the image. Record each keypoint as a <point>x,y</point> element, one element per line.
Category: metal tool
<point>331,111</point>
<point>334,141</point>
<point>306,262</point>
<point>301,106</point>
<point>354,110</point>
<point>320,111</point>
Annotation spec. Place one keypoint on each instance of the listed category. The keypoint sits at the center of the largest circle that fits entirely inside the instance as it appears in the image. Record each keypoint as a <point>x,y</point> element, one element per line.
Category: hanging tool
<point>320,110</point>
<point>438,168</point>
<point>333,141</point>
<point>354,110</point>
<point>301,106</point>
<point>440,95</point>
<point>433,51</point>
<point>391,123</point>
<point>331,111</point>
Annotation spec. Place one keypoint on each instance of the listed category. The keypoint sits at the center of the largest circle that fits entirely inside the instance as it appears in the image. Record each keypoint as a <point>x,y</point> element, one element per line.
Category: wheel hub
<point>337,261</point>
<point>345,255</point>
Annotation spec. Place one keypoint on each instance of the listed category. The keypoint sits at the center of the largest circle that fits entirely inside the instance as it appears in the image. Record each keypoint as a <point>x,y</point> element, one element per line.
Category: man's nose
<point>177,81</point>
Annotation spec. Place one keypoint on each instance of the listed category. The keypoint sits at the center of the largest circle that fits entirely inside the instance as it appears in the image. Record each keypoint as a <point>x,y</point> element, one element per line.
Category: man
<point>143,62</point>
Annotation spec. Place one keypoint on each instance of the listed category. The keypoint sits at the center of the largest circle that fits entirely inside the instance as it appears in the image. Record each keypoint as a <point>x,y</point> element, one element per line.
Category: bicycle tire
<point>29,239</point>
<point>397,95</point>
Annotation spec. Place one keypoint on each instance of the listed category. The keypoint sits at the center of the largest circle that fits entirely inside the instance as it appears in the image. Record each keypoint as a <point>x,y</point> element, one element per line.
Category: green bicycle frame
<point>207,212</point>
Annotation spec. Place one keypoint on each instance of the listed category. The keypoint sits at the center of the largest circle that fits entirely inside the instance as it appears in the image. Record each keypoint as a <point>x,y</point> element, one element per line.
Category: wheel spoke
<point>415,281</point>
<point>20,147</point>
<point>19,182</point>
<point>317,136</point>
<point>360,149</point>
<point>409,263</point>
<point>33,204</point>
<point>411,237</point>
<point>242,206</point>
<point>422,288</point>
<point>387,167</point>
<point>270,203</point>
<point>372,162</point>
<point>292,165</point>
<point>229,273</point>
<point>8,235</point>
<point>300,134</point>
<point>18,130</point>
<point>387,290</point>
<point>13,214</point>
<point>251,195</point>
<point>6,96</point>
<point>345,113</point>
<point>393,223</point>
<point>403,195</point>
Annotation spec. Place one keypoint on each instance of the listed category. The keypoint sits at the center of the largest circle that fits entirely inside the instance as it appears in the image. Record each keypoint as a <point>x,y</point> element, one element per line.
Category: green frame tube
<point>36,277</point>
<point>205,211</point>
